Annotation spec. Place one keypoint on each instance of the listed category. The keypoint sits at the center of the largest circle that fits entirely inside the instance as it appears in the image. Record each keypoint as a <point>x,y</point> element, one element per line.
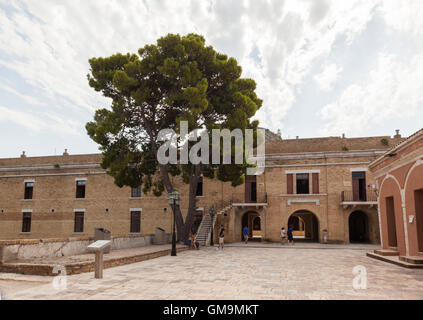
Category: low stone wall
<point>46,248</point>
<point>81,267</point>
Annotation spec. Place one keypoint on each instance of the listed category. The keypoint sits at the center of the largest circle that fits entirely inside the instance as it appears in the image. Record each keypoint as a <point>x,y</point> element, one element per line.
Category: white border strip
<point>135,209</point>
<point>358,169</point>
<point>26,210</point>
<point>78,210</point>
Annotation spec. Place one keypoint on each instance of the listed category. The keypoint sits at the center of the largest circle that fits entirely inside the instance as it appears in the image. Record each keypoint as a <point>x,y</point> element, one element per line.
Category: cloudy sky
<point>322,67</point>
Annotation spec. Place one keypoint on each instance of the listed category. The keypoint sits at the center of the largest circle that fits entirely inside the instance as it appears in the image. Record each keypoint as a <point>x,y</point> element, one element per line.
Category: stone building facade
<point>319,186</point>
<point>399,178</point>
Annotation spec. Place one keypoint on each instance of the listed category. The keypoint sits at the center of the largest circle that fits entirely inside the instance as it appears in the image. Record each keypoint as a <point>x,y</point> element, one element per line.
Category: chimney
<point>66,152</point>
<point>279,133</point>
<point>397,134</point>
<point>297,137</point>
<point>23,155</point>
<point>343,136</point>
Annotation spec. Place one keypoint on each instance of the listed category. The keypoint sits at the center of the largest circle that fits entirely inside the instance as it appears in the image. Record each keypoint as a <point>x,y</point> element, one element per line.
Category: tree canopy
<point>177,79</point>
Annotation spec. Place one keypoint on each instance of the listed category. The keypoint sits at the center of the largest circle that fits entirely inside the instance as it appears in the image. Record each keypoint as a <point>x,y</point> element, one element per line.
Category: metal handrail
<point>351,196</point>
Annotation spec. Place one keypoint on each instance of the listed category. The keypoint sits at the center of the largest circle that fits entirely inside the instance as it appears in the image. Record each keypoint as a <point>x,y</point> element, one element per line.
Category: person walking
<point>283,235</point>
<point>221,238</point>
<point>290,235</point>
<point>245,233</point>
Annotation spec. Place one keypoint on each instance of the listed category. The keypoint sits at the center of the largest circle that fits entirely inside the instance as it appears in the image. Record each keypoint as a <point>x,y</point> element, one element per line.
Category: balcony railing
<point>364,196</point>
<point>258,197</point>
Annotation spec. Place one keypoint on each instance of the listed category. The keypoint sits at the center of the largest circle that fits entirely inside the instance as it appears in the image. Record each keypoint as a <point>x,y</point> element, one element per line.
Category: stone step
<point>387,252</point>
<point>394,260</point>
<point>412,259</point>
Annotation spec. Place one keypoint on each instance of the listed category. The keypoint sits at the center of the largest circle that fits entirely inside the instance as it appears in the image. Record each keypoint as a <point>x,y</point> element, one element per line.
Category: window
<point>136,192</point>
<point>302,183</point>
<point>29,190</point>
<point>79,222</point>
<point>26,222</point>
<point>135,221</point>
<point>80,189</point>
<point>200,187</point>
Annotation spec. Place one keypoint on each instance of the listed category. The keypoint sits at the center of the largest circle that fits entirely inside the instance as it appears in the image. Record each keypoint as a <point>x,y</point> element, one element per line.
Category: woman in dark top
<point>221,237</point>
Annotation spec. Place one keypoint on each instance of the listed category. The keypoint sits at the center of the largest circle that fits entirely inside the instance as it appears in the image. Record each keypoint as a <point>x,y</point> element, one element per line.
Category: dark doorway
<point>250,189</point>
<point>418,200</point>
<point>358,226</point>
<point>390,220</point>
<point>305,225</point>
<point>253,222</point>
<point>359,186</point>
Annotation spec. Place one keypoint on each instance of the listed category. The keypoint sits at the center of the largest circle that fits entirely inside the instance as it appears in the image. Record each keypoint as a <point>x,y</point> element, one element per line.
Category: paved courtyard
<point>255,271</point>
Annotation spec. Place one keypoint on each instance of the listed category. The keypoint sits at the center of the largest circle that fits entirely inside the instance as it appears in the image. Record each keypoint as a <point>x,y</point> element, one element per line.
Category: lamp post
<point>173,199</point>
<point>212,213</point>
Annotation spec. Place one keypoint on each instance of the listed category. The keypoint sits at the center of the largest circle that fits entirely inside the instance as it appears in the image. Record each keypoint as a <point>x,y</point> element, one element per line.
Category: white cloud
<point>29,99</point>
<point>327,78</point>
<point>48,43</point>
<point>394,89</point>
<point>404,16</point>
<point>50,47</point>
<point>23,119</point>
<point>42,122</point>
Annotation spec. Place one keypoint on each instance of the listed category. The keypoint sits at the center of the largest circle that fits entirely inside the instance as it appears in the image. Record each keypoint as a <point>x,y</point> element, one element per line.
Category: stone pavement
<point>308,271</point>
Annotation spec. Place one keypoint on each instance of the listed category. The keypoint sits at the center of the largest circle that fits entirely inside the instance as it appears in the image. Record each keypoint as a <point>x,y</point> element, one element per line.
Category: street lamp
<point>212,213</point>
<point>174,200</point>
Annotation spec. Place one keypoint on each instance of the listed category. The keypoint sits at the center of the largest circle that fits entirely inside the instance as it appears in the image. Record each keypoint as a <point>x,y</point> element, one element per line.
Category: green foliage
<point>345,148</point>
<point>384,141</point>
<point>178,78</point>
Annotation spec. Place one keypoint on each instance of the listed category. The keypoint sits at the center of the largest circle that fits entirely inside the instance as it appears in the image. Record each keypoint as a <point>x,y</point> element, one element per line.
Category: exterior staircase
<point>204,229</point>
<point>207,224</point>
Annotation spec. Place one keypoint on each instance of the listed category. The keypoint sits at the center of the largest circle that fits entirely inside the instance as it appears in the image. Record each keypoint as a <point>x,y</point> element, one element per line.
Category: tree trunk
<point>175,210</point>
<point>192,204</point>
<point>183,229</point>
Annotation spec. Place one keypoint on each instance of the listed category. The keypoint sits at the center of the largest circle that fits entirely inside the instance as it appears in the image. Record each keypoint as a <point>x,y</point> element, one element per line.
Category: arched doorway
<point>252,220</point>
<point>305,225</point>
<point>358,227</point>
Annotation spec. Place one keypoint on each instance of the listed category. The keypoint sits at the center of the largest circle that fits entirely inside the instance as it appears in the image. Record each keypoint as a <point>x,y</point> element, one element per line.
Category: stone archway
<point>358,225</point>
<point>305,224</point>
<point>252,220</point>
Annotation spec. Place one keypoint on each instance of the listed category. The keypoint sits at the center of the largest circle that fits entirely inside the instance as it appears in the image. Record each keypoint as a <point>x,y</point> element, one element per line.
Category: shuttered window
<point>135,221</point>
<point>289,183</point>
<point>79,222</point>
<point>315,178</point>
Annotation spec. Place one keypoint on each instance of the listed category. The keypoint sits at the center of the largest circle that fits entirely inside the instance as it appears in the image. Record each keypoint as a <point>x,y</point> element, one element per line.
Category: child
<point>283,235</point>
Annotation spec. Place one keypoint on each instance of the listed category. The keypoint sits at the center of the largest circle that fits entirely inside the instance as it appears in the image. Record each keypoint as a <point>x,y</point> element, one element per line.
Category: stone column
<point>99,264</point>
